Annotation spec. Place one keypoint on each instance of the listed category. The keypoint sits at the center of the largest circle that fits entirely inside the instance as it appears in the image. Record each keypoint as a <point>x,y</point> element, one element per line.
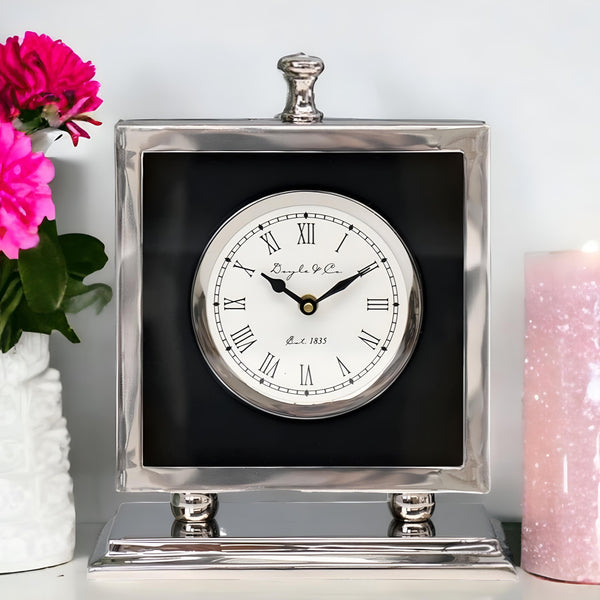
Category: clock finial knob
<point>301,72</point>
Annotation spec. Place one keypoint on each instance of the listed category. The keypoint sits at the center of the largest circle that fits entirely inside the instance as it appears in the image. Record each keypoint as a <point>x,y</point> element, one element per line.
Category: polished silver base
<point>322,539</point>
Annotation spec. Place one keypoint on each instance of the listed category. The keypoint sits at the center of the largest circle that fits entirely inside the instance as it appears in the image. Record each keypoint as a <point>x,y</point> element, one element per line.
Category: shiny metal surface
<point>194,508</point>
<point>303,536</point>
<point>195,529</point>
<point>412,508</point>
<point>411,529</point>
<point>133,138</point>
<point>300,72</point>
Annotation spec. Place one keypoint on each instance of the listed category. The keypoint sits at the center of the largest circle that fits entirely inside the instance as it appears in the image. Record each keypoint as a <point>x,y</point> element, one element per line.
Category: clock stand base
<point>349,539</point>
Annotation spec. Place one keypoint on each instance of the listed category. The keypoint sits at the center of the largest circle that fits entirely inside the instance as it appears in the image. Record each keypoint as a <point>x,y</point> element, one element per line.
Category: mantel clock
<point>303,307</point>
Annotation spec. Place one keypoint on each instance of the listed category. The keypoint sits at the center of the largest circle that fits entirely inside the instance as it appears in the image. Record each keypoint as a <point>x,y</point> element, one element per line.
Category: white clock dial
<point>306,304</point>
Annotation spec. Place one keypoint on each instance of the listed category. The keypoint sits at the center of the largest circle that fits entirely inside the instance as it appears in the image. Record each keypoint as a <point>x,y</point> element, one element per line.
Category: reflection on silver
<point>408,529</point>
<point>184,529</point>
<point>194,508</point>
<point>337,539</point>
<point>300,72</point>
<point>412,508</point>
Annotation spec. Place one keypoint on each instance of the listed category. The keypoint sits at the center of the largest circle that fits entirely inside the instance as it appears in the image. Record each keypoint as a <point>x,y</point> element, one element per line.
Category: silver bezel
<point>212,348</point>
<point>133,138</point>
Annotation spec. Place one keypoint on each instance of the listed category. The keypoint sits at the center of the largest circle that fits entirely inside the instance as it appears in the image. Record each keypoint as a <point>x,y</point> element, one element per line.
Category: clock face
<point>306,304</point>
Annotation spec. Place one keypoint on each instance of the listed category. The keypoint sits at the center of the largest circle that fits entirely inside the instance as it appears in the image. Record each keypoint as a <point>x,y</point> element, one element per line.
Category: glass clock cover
<point>306,304</point>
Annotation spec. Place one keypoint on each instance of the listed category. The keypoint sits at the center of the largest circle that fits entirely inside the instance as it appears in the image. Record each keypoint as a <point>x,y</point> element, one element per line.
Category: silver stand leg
<point>191,507</point>
<point>412,508</point>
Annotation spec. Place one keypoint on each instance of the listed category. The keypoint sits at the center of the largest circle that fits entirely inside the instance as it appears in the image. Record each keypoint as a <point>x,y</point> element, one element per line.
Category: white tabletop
<point>70,582</point>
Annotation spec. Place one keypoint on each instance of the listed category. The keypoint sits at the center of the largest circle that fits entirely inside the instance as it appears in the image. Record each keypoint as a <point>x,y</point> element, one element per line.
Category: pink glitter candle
<point>561,417</point>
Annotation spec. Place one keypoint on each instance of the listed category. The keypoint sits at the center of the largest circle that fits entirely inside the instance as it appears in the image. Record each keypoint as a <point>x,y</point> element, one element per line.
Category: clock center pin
<point>308,306</point>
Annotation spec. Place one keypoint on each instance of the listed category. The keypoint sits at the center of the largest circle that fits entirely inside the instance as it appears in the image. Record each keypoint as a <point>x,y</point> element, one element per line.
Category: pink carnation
<point>44,75</point>
<point>25,197</point>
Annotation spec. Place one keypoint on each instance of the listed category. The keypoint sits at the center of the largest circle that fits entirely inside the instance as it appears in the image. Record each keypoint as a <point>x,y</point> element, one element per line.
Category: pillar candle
<point>561,417</point>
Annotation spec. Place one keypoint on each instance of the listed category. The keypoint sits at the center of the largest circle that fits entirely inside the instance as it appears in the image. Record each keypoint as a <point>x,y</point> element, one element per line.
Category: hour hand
<point>279,286</point>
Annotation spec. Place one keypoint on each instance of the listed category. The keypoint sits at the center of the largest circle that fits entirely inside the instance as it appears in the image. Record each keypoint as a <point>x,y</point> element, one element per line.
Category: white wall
<point>528,68</point>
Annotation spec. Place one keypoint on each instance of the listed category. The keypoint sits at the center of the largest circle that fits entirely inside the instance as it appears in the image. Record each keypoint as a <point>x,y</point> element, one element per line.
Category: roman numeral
<point>270,241</point>
<point>343,368</point>
<point>368,268</point>
<point>239,304</point>
<point>238,265</point>
<point>378,303</point>
<point>369,339</point>
<point>243,339</point>
<point>305,375</point>
<point>269,365</point>
<point>307,233</point>
<point>343,240</point>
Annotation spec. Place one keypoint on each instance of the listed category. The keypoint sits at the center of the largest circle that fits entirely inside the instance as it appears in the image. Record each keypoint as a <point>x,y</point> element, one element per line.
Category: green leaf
<point>31,120</point>
<point>11,293</point>
<point>9,337</point>
<point>7,268</point>
<point>79,296</point>
<point>31,114</point>
<point>84,254</point>
<point>43,271</point>
<point>9,301</point>
<point>44,322</point>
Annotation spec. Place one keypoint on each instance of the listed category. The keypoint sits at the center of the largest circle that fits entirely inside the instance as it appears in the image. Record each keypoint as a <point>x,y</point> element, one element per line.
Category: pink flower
<point>25,197</point>
<point>43,83</point>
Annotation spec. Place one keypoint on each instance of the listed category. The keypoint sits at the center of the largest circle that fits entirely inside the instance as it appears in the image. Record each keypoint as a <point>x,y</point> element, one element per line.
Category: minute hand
<point>344,283</point>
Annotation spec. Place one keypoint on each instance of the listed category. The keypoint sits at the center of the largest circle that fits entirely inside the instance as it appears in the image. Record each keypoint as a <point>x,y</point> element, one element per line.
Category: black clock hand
<point>279,286</point>
<point>344,283</point>
<point>338,287</point>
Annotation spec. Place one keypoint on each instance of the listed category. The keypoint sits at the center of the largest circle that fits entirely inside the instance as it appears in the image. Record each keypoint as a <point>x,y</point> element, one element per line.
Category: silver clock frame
<point>470,138</point>
<point>411,293</point>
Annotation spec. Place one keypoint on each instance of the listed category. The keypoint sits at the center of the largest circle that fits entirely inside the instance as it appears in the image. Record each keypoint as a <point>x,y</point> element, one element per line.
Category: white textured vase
<point>37,514</point>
